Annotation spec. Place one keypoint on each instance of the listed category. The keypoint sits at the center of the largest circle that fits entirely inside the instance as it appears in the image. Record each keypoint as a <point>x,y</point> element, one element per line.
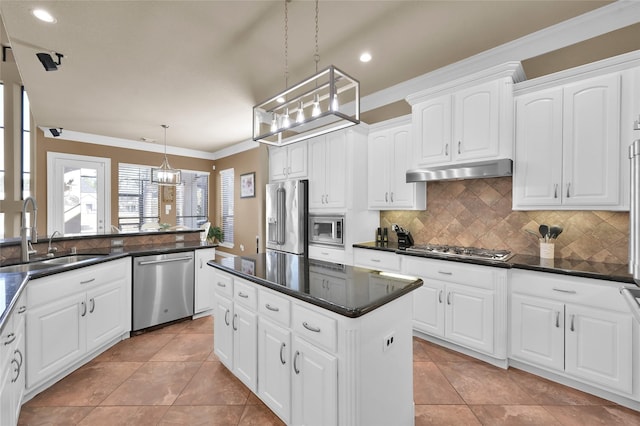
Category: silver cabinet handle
<point>200,263</point>
<point>555,190</point>
<point>386,197</point>
<point>272,308</point>
<point>310,327</point>
<point>449,298</point>
<point>282,346</point>
<point>288,169</point>
<point>10,338</point>
<point>84,309</point>
<point>568,190</point>
<point>557,319</point>
<point>17,352</point>
<point>446,149</point>
<point>88,281</point>
<point>223,285</point>
<point>324,253</point>
<point>155,262</point>
<point>295,363</point>
<point>93,305</point>
<point>445,272</point>
<point>284,171</point>
<point>15,370</point>
<point>226,317</point>
<point>326,198</point>
<point>22,309</point>
<point>560,290</point>
<point>392,197</point>
<point>235,316</point>
<point>376,260</point>
<point>243,295</point>
<point>459,147</point>
<point>440,296</point>
<point>573,328</point>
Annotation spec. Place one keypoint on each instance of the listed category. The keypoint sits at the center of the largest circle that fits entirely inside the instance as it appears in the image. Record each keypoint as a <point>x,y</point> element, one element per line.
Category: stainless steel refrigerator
<point>287,211</point>
<point>632,295</point>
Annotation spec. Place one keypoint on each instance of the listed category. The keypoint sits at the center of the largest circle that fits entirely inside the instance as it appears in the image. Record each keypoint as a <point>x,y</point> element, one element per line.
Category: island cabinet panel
<point>315,366</point>
<point>575,327</point>
<point>12,363</point>
<point>203,280</point>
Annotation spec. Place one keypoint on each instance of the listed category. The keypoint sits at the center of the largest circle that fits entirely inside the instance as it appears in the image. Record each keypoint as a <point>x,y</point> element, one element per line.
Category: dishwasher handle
<point>154,262</point>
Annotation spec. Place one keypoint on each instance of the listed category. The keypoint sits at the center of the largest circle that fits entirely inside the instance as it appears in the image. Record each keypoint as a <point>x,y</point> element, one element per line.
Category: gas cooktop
<point>458,251</point>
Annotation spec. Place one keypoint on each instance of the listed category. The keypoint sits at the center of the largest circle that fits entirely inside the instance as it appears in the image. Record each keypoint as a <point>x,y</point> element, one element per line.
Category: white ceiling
<point>200,66</point>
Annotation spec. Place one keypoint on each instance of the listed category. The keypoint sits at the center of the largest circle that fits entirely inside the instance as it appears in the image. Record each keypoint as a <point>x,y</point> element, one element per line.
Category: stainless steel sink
<point>66,260</point>
<point>39,265</point>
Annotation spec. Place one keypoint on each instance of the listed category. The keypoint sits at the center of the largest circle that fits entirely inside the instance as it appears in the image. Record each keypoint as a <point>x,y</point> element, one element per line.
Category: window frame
<point>229,240</point>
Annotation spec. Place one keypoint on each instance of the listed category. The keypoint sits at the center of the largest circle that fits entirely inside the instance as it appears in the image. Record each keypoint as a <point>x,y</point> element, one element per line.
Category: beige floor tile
<point>218,415</point>
<point>259,415</point>
<point>593,415</point>
<point>503,415</point>
<point>420,352</point>
<point>124,416</point>
<point>213,384</point>
<point>138,348</point>
<point>155,383</point>
<point>52,416</point>
<point>186,348</point>
<point>442,354</point>
<point>445,415</point>
<point>431,387</point>
<point>202,325</point>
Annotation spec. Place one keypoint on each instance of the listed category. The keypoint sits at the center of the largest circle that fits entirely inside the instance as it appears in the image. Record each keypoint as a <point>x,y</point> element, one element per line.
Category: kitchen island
<point>319,343</point>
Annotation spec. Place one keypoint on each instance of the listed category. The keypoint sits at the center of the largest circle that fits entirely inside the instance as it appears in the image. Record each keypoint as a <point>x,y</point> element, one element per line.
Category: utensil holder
<point>547,250</point>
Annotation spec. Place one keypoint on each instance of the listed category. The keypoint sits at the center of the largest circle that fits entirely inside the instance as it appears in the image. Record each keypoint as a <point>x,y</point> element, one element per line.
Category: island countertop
<point>343,289</point>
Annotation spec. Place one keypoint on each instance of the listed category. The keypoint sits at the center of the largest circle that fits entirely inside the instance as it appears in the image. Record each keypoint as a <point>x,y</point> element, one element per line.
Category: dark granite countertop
<point>578,268</point>
<point>14,283</point>
<point>364,290</point>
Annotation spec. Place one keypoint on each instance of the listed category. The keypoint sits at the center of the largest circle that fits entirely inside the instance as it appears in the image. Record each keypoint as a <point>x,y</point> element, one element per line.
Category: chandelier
<point>165,175</point>
<point>325,102</point>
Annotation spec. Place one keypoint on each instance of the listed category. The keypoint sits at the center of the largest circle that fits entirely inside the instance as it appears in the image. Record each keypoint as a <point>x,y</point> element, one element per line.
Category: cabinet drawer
<point>376,259</point>
<point>274,307</point>
<point>327,254</point>
<point>223,284</point>
<point>585,291</point>
<point>443,270</point>
<point>245,293</point>
<point>315,327</point>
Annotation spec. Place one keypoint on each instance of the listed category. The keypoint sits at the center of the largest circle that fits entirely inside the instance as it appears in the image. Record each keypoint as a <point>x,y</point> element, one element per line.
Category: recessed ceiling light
<point>280,100</point>
<point>43,15</point>
<point>365,57</point>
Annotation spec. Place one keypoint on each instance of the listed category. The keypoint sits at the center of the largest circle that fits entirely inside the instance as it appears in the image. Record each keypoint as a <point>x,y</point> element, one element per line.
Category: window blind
<point>226,203</point>
<point>137,197</point>
<point>192,199</point>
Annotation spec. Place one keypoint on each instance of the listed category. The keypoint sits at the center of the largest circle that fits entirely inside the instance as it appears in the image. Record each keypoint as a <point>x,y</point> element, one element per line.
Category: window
<point>226,201</point>
<point>26,146</point>
<point>2,194</point>
<point>137,197</point>
<point>192,199</point>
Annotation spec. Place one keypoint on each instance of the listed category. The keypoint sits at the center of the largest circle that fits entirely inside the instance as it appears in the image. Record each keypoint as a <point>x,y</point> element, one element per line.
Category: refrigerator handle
<point>281,213</point>
<point>634,201</point>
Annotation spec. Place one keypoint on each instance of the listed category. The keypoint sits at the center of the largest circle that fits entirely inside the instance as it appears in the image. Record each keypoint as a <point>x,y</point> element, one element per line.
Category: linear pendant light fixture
<point>325,102</point>
<point>165,175</point>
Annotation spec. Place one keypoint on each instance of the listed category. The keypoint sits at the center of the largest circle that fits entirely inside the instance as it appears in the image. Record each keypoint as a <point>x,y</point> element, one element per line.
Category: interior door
<point>78,194</point>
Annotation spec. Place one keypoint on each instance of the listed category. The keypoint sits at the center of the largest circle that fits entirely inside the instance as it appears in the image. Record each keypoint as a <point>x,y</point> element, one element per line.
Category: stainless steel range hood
<point>474,170</point>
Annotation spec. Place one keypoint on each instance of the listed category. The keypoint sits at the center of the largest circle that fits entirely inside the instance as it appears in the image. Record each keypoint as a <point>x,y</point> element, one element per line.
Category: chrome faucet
<point>52,250</point>
<point>26,248</point>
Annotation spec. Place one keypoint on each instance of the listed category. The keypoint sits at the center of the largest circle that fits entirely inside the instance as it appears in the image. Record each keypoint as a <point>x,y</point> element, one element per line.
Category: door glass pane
<point>80,201</point>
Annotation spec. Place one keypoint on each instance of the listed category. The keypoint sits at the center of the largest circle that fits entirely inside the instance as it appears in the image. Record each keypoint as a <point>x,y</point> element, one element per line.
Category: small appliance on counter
<point>404,237</point>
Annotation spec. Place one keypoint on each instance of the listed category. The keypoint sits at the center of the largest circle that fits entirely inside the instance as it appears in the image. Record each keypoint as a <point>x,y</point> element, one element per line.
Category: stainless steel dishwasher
<point>162,288</point>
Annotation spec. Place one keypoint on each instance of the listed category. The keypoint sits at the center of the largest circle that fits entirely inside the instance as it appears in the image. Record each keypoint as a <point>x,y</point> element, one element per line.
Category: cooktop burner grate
<point>459,251</point>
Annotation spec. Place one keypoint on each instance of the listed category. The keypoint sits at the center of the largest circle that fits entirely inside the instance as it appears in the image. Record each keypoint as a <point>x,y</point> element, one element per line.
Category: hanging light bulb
<point>274,123</point>
<point>316,106</point>
<point>300,115</point>
<point>286,122</point>
<point>166,175</point>
<point>334,104</point>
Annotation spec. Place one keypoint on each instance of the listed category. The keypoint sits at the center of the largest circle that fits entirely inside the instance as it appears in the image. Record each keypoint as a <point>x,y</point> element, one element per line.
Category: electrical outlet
<point>388,341</point>
<point>180,237</point>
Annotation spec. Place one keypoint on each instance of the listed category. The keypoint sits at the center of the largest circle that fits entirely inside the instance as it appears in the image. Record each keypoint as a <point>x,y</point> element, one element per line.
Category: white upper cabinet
<point>327,186</point>
<point>467,119</point>
<point>288,162</point>
<point>390,155</point>
<point>568,152</point>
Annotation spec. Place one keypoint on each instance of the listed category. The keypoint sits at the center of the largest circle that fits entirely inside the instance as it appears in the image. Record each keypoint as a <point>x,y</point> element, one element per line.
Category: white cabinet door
<point>297,160</point>
<point>378,170</point>
<point>537,331</point>
<point>432,131</point>
<point>402,193</point>
<point>223,331</point>
<point>591,147</point>
<point>274,368</point>
<point>317,172</point>
<point>599,347</point>
<point>469,317</point>
<point>278,163</point>
<point>335,170</point>
<point>537,177</point>
<point>6,393</point>
<point>204,280</point>
<point>105,314</point>
<point>315,381</point>
<point>476,131</point>
<point>428,308</point>
<point>245,346</point>
<point>55,337</point>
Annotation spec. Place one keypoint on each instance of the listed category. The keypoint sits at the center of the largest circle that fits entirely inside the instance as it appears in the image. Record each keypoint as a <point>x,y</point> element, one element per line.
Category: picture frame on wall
<point>248,185</point>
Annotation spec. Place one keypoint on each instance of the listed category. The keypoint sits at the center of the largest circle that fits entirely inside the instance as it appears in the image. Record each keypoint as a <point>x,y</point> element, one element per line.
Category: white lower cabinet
<point>223,332</point>
<point>203,280</point>
<point>315,381</point>
<point>460,303</point>
<point>274,368</point>
<point>577,327</point>
<point>245,346</point>
<point>73,314</point>
<point>12,364</point>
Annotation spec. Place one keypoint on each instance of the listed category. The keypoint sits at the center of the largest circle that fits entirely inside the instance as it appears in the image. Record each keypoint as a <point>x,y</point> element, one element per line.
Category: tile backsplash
<point>477,213</point>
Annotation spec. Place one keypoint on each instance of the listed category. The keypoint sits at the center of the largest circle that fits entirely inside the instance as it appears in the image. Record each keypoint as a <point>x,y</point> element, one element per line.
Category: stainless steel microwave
<point>326,230</point>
